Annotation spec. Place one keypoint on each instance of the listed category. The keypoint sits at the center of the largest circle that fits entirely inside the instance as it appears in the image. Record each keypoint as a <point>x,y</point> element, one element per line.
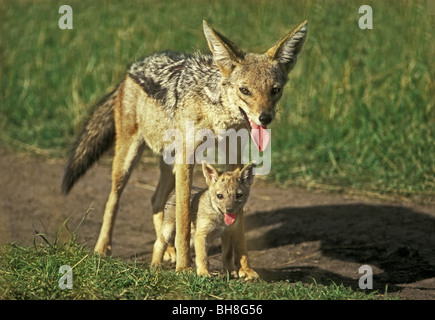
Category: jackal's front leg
<point>183,186</point>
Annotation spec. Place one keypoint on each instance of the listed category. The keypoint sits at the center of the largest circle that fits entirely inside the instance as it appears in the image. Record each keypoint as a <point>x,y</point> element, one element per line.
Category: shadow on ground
<point>399,242</point>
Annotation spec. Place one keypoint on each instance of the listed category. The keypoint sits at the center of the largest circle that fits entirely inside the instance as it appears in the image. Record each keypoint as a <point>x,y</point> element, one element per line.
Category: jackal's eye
<point>219,196</point>
<point>275,91</point>
<point>245,91</point>
<point>239,195</point>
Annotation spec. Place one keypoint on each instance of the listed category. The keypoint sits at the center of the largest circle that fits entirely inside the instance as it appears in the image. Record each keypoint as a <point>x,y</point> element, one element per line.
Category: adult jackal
<point>229,89</point>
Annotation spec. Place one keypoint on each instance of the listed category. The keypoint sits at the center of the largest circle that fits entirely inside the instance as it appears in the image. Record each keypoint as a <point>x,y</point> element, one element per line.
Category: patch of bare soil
<point>292,234</point>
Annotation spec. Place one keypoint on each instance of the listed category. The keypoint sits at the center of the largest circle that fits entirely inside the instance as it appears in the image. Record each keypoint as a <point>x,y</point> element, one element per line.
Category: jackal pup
<point>215,211</point>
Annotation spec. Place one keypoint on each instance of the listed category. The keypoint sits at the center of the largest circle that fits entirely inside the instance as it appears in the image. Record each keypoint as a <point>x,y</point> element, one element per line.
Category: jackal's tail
<point>96,137</point>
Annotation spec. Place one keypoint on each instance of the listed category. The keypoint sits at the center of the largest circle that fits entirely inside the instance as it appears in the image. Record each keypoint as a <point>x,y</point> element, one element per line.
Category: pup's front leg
<point>241,251</point>
<point>183,186</point>
<point>227,251</point>
<point>201,253</point>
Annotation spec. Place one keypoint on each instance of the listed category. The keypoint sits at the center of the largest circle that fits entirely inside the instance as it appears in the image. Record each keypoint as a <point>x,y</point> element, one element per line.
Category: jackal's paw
<point>248,274</point>
<point>170,255</point>
<point>103,249</point>
<point>187,270</point>
<point>156,264</point>
<point>202,272</point>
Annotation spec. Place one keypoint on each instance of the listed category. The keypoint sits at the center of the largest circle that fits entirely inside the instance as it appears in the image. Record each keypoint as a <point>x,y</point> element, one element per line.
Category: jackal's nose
<point>265,118</point>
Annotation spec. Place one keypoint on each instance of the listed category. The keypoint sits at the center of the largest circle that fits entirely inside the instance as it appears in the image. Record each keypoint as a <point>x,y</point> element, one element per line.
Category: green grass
<point>358,114</point>
<point>33,273</point>
<point>364,118</point>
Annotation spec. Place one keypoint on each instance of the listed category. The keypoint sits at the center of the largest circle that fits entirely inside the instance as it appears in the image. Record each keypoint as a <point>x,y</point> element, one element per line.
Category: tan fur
<point>208,210</point>
<point>162,92</point>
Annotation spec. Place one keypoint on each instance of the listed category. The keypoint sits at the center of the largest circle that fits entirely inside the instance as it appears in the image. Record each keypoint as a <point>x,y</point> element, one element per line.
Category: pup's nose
<point>265,118</point>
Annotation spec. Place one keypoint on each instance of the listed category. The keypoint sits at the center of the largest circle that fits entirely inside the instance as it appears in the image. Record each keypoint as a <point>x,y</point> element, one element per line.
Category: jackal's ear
<point>247,174</point>
<point>225,52</point>
<point>210,173</point>
<point>287,50</point>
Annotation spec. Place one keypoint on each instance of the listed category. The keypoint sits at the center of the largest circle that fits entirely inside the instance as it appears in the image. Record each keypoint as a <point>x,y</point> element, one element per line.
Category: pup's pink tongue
<point>229,218</point>
<point>260,135</point>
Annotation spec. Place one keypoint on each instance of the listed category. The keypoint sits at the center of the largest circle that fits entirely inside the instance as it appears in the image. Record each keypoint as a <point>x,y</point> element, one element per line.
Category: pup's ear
<point>210,173</point>
<point>287,50</point>
<point>225,52</point>
<point>247,174</point>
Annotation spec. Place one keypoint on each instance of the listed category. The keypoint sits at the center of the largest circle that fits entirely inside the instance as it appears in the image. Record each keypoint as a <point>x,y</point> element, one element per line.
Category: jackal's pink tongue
<point>229,218</point>
<point>260,135</point>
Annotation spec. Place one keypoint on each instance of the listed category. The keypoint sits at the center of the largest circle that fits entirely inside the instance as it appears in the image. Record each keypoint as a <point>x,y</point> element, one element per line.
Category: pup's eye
<point>275,91</point>
<point>245,91</point>
<point>239,195</point>
<point>219,196</point>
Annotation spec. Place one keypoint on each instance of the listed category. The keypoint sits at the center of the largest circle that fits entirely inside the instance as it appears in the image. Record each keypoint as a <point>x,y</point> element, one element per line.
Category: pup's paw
<point>170,254</point>
<point>248,274</point>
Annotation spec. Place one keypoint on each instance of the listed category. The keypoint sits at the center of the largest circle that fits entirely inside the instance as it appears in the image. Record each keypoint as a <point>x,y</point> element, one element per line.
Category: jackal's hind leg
<point>128,151</point>
<point>164,188</point>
